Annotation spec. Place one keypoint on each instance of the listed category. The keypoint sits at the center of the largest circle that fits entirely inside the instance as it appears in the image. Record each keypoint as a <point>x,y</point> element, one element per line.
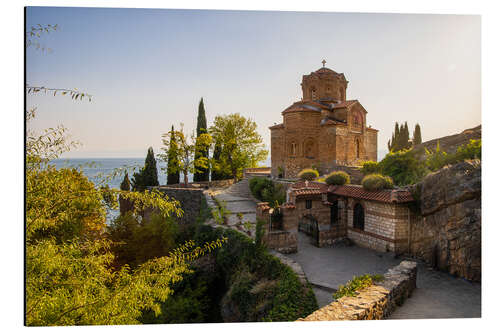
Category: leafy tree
<point>69,275</point>
<point>218,174</point>
<point>417,135</point>
<point>148,175</point>
<point>172,159</point>
<point>186,147</point>
<point>241,145</point>
<point>201,128</point>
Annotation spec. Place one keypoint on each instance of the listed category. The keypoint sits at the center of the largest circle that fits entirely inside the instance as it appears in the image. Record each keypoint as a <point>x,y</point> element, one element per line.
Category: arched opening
<point>334,213</point>
<point>359,217</point>
<point>293,149</point>
<point>309,149</point>
<point>357,148</point>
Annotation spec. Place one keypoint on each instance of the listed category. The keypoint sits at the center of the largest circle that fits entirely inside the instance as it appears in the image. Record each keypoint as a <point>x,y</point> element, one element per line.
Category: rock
<point>448,233</point>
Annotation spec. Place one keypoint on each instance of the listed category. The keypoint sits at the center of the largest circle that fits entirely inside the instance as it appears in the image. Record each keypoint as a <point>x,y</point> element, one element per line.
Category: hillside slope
<point>450,143</point>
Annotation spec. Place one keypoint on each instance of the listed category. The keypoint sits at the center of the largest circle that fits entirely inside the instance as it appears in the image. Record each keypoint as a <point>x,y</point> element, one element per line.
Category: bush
<point>357,283</point>
<point>259,286</point>
<point>264,189</point>
<point>369,167</point>
<point>437,159</point>
<point>258,185</point>
<point>376,181</point>
<point>404,167</point>
<point>308,174</point>
<point>338,178</point>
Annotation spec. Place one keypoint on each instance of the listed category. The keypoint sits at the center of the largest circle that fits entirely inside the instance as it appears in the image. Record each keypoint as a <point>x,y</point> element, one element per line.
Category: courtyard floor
<point>438,294</point>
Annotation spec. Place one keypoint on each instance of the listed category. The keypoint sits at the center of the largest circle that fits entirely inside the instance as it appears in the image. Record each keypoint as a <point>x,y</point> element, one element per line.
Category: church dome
<point>325,70</point>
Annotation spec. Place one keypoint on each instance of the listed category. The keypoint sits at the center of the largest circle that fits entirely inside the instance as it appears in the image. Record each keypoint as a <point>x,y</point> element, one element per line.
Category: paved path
<point>438,295</point>
<point>239,201</point>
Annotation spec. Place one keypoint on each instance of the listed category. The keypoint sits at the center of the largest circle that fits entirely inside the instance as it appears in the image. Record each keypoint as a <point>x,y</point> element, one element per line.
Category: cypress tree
<point>150,170</point>
<point>125,185</point>
<point>406,137</point>
<point>201,128</point>
<point>125,205</point>
<point>216,157</point>
<point>417,135</point>
<point>148,176</point>
<point>173,172</point>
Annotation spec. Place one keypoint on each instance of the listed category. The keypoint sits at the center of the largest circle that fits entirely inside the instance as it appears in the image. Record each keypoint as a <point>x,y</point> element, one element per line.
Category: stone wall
<point>283,240</point>
<point>190,201</point>
<point>375,302</point>
<point>385,229</point>
<point>448,233</point>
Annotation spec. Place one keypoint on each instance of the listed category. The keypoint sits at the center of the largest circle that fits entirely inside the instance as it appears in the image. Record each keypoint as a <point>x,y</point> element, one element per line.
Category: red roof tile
<point>345,104</point>
<point>277,126</point>
<point>288,205</point>
<point>356,191</point>
<point>310,185</point>
<point>308,191</point>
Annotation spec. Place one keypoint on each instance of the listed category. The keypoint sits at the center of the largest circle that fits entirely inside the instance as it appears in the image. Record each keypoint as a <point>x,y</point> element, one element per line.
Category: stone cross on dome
<point>323,62</point>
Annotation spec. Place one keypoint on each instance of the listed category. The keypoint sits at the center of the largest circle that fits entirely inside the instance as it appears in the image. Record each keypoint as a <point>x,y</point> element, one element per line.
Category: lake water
<point>99,170</point>
<point>96,169</point>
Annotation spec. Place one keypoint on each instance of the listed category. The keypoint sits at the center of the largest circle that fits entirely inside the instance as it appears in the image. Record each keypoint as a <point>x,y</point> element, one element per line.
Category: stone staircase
<point>240,189</point>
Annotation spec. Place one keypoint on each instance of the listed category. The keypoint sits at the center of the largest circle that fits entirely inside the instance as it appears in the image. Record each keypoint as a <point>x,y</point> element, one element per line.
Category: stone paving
<point>438,294</point>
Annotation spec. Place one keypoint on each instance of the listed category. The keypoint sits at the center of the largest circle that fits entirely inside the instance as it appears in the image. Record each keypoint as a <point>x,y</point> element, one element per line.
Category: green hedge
<point>264,189</point>
<point>338,178</point>
<point>376,181</point>
<point>308,174</point>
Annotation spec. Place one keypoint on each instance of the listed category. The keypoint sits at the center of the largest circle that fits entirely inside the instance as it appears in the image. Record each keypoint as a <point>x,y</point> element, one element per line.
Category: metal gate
<point>309,225</point>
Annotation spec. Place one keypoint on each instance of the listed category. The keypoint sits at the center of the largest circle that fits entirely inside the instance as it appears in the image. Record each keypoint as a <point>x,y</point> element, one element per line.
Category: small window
<point>308,204</point>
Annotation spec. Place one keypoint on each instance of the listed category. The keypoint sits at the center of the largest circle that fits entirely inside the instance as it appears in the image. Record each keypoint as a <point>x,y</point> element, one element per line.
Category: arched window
<point>334,213</point>
<point>293,149</point>
<point>357,148</point>
<point>309,148</point>
<point>359,217</point>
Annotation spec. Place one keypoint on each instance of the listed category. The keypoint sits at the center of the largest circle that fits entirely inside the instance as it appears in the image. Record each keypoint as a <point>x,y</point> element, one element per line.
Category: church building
<point>323,130</point>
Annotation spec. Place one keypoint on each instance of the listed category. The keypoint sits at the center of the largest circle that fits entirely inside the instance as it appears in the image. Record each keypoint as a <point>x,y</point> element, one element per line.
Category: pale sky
<point>148,68</point>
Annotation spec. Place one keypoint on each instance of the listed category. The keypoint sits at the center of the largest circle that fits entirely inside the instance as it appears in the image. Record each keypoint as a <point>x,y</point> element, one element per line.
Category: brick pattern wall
<point>385,227</point>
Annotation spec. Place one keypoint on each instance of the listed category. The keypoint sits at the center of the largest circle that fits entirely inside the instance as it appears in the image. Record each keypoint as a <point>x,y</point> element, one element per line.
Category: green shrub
<point>404,167</point>
<point>308,174</point>
<point>437,159</point>
<point>369,167</point>
<point>376,181</point>
<point>264,189</point>
<point>258,185</point>
<point>357,283</point>
<point>261,287</point>
<point>338,178</point>
<point>470,151</point>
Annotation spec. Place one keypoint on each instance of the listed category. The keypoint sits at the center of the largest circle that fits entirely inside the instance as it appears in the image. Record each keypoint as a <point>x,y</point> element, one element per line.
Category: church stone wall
<point>371,144</point>
<point>304,141</point>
